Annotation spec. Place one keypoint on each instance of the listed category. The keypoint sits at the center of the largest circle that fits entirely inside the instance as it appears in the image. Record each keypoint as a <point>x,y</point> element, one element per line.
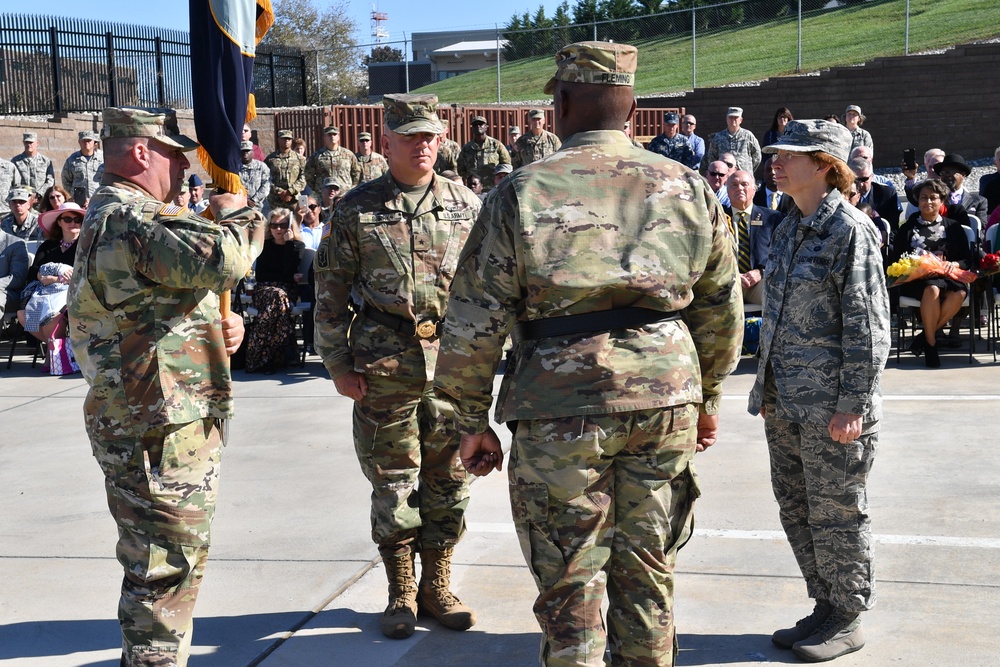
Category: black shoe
<point>918,344</point>
<point>932,360</point>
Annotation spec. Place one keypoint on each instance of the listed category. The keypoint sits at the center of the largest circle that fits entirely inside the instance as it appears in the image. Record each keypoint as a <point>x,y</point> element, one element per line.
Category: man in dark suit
<point>880,197</point>
<point>989,185</point>
<point>752,227</point>
<point>768,196</point>
<point>953,171</point>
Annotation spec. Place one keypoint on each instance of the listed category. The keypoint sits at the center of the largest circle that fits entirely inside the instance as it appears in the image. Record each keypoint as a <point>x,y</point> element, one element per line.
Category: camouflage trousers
<point>407,445</point>
<point>161,492</point>
<point>821,489</point>
<point>602,503</point>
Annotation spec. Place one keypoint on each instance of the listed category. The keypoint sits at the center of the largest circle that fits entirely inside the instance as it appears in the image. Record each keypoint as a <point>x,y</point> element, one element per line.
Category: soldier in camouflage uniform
<point>22,220</point>
<point>254,175</point>
<point>673,145</point>
<point>536,143</point>
<point>736,140</point>
<point>448,152</point>
<point>288,173</point>
<point>823,345</point>
<point>372,164</point>
<point>153,347</point>
<point>395,242</point>
<point>481,155</point>
<point>9,177</point>
<point>622,286</point>
<point>83,170</point>
<point>332,160</point>
<point>34,169</point>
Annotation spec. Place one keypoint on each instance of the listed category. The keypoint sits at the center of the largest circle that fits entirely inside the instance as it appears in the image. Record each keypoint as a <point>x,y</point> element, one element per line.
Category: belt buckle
<point>426,329</point>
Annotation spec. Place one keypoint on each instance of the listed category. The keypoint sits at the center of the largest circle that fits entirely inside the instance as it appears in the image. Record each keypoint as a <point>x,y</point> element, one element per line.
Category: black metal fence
<point>53,65</point>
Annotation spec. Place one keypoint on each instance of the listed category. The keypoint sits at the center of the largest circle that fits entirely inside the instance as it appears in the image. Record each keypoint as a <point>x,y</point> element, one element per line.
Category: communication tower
<point>379,31</point>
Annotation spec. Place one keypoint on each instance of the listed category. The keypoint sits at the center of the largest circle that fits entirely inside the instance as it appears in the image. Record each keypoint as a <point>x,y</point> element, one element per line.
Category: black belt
<point>422,329</point>
<point>588,323</point>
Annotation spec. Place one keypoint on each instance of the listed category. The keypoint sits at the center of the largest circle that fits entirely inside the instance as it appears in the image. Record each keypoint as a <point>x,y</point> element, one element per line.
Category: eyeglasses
<point>862,179</point>
<point>929,198</point>
<point>70,219</point>
<point>364,140</point>
<point>716,173</point>
<point>730,164</point>
<point>278,225</point>
<point>313,207</point>
<point>853,193</point>
<point>687,122</point>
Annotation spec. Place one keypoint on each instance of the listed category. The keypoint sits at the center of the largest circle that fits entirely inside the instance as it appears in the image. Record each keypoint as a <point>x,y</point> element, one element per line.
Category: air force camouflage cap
<point>594,62</point>
<point>412,114</point>
<point>159,124</point>
<point>809,136</point>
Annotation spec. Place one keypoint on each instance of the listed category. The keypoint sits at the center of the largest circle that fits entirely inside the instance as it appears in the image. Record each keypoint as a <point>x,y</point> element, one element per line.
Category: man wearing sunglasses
<point>880,197</point>
<point>372,164</point>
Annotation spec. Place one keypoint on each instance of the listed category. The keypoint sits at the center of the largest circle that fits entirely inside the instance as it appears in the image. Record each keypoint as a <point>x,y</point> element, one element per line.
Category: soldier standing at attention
<point>34,169</point>
<point>536,143</point>
<point>372,164</point>
<point>448,151</point>
<point>332,160</point>
<point>623,289</point>
<point>82,171</point>
<point>254,175</point>
<point>154,349</point>
<point>670,143</point>
<point>288,173</point>
<point>481,155</point>
<point>823,345</point>
<point>395,242</point>
<point>734,139</point>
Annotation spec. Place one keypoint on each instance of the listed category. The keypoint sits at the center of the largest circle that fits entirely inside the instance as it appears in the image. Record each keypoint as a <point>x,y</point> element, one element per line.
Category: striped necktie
<point>774,201</point>
<point>743,255</point>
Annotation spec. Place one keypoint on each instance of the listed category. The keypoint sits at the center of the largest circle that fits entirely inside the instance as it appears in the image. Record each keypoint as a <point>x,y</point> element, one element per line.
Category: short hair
<point>859,164</point>
<point>935,185</point>
<point>839,176</point>
<point>298,141</point>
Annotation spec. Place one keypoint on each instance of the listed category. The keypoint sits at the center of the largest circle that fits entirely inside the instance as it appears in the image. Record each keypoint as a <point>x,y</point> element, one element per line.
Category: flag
<point>224,38</point>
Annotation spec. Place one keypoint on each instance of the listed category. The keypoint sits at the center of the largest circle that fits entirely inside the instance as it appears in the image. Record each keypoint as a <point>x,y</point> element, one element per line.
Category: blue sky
<point>404,15</point>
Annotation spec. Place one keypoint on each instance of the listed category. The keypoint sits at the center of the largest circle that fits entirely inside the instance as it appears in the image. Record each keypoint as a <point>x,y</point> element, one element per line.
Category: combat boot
<point>787,637</point>
<point>839,635</point>
<point>400,617</point>
<point>434,598</point>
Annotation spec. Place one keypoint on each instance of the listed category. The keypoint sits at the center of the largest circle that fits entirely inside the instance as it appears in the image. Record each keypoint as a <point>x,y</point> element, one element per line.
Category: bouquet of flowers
<point>917,265</point>
<point>989,264</point>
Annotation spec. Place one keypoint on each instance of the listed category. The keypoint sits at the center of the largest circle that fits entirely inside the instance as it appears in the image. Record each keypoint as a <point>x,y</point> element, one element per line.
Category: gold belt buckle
<point>426,329</point>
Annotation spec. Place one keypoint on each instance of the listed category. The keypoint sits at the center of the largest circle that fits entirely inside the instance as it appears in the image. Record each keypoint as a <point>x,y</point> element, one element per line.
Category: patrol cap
<point>29,137</point>
<point>20,194</point>
<point>332,182</point>
<point>854,107</point>
<point>411,114</point>
<point>331,129</point>
<point>478,119</point>
<point>184,187</point>
<point>286,134</point>
<point>87,135</point>
<point>808,136</point>
<point>514,129</point>
<point>48,219</point>
<point>735,111</point>
<point>671,118</point>
<point>536,113</point>
<point>365,135</point>
<point>159,124</point>
<point>246,146</point>
<point>504,168</point>
<point>594,62</point>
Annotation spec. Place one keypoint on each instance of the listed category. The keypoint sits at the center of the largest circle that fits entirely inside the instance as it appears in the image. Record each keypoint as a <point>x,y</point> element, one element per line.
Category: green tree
<point>384,54</point>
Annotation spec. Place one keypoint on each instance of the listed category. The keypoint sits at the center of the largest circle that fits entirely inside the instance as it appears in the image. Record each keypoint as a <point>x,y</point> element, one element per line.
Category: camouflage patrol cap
<point>332,182</point>
<point>412,114</point>
<point>365,135</point>
<point>331,129</point>
<point>29,137</point>
<point>185,187</point>
<point>504,168</point>
<point>536,113</point>
<point>594,62</point>
<point>87,135</point>
<point>735,111</point>
<point>20,194</point>
<point>246,146</point>
<point>810,136</point>
<point>286,134</point>
<point>159,124</point>
<point>478,119</point>
<point>514,129</point>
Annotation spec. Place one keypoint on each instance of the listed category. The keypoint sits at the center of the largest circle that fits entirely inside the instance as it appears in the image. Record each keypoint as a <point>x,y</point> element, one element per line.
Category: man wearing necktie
<point>752,228</point>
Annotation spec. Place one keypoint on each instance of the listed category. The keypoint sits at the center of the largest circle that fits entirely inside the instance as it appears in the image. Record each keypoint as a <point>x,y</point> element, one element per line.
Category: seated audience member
<point>48,278</point>
<point>13,271</point>
<point>716,176</point>
<point>53,198</point>
<point>781,118</point>
<point>451,176</point>
<point>768,195</point>
<point>940,298</point>
<point>331,193</point>
<point>882,198</point>
<point>989,185</point>
<point>931,158</point>
<point>311,229</point>
<point>869,154</point>
<point>22,221</point>
<point>884,232</point>
<point>752,227</point>
<point>277,273</point>
<point>953,171</point>
<point>474,183</point>
<point>500,172</point>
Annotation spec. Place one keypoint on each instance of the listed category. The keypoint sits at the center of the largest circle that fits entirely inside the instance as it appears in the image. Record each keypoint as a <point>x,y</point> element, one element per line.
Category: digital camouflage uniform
<point>743,145</point>
<point>448,152</point>
<point>861,137</point>
<point>29,231</point>
<point>601,471</point>
<point>482,159</point>
<point>146,331</point>
<point>372,166</point>
<point>288,172</point>
<point>338,162</point>
<point>528,148</point>
<point>823,345</point>
<point>256,180</point>
<point>677,148</point>
<point>80,171</point>
<point>35,172</point>
<point>9,177</point>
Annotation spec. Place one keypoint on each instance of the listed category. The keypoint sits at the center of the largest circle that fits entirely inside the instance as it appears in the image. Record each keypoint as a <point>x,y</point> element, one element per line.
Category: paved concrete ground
<point>293,580</point>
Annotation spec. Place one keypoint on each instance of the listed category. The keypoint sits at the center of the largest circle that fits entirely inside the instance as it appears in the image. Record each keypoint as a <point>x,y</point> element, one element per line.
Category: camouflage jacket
<point>861,137</point>
<point>256,180</point>
<point>80,171</point>
<point>677,148</point>
<point>9,177</point>
<point>145,310</point>
<point>397,260</point>
<point>825,334</point>
<point>29,231</point>
<point>528,148</point>
<point>338,162</point>
<point>743,145</point>
<point>481,159</point>
<point>288,172</point>
<point>448,152</point>
<point>598,225</point>
<point>372,166</point>
<point>35,172</point>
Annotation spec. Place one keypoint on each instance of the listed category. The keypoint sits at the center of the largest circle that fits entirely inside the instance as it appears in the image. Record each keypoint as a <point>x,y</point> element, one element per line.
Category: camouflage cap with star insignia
<point>412,114</point>
<point>159,124</point>
<point>594,62</point>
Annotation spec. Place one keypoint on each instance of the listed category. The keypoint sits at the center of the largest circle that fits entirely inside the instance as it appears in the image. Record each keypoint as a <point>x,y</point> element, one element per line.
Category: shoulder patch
<point>171,210</point>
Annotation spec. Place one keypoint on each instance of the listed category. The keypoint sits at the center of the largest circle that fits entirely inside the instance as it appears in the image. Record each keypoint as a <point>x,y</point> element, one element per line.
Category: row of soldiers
<point>80,175</point>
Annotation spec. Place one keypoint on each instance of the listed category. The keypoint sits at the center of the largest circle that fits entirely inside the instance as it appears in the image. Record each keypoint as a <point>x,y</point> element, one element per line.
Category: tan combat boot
<point>400,617</point>
<point>435,599</point>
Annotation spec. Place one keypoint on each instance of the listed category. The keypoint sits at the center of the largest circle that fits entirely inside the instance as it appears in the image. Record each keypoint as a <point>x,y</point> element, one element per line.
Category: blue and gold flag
<point>224,38</point>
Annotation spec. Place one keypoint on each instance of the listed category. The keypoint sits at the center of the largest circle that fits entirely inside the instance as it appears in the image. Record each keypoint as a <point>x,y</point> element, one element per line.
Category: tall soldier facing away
<point>153,347</point>
<point>617,269</point>
<point>395,242</point>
